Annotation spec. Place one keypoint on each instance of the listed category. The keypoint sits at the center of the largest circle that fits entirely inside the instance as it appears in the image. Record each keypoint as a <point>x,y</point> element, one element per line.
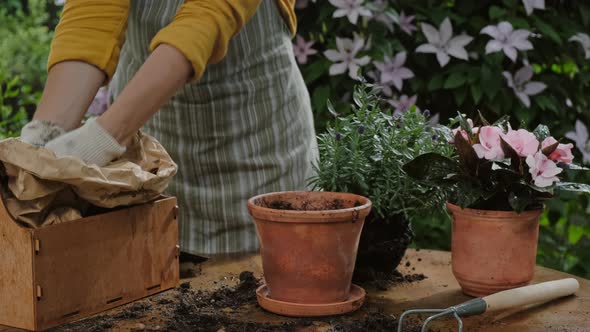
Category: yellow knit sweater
<point>93,31</point>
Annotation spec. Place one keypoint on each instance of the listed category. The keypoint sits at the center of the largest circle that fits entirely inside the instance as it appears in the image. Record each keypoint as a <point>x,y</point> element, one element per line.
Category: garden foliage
<point>527,59</point>
<point>499,168</point>
<point>364,153</point>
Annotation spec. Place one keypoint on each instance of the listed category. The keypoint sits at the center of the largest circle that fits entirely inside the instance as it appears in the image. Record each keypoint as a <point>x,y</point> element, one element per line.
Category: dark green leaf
<point>515,160</point>
<point>483,120</point>
<point>503,122</point>
<point>490,81</point>
<point>520,198</point>
<point>573,167</point>
<point>431,168</point>
<point>476,93</point>
<point>547,30</point>
<point>460,95</point>
<point>467,155</point>
<point>331,108</point>
<point>456,79</point>
<point>315,70</point>
<point>574,187</point>
<point>435,83</point>
<point>464,124</point>
<point>541,132</point>
<point>496,13</point>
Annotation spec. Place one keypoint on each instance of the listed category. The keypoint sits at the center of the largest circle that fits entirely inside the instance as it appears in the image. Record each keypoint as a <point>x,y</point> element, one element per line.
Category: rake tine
<point>414,311</point>
<point>433,317</point>
<point>459,321</point>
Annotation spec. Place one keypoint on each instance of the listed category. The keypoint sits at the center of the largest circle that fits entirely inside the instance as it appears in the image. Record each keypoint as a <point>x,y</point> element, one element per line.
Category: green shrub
<point>24,47</point>
<point>11,119</point>
<point>386,28</point>
<point>364,153</point>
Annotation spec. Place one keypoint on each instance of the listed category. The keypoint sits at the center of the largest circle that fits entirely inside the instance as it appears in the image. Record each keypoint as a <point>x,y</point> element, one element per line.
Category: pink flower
<point>489,146</point>
<point>302,49</point>
<point>523,142</point>
<point>562,154</point>
<point>474,130</point>
<point>543,170</point>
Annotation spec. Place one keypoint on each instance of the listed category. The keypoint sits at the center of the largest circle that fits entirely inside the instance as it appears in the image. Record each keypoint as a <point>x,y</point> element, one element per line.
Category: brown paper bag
<point>40,189</point>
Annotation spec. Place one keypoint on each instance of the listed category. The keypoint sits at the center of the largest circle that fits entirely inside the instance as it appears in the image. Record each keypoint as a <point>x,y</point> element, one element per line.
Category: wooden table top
<point>438,290</point>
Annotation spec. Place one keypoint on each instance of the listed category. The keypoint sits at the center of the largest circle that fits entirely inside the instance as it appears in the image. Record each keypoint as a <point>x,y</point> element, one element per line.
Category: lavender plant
<point>364,153</point>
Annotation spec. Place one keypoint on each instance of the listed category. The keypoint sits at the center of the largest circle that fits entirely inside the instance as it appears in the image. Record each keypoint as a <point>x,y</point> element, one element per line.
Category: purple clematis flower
<point>405,23</point>
<point>403,104</point>
<point>380,15</point>
<point>531,5</point>
<point>442,43</point>
<point>522,85</point>
<point>581,139</point>
<point>584,40</point>
<point>302,49</point>
<point>345,56</point>
<point>392,71</point>
<point>351,9</point>
<point>507,39</point>
<point>100,103</point>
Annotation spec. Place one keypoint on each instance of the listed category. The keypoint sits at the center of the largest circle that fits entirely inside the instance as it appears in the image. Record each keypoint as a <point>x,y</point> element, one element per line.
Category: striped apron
<point>244,128</point>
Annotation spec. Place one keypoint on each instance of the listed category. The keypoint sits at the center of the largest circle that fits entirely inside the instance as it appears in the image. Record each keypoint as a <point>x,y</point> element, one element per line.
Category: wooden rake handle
<point>539,293</point>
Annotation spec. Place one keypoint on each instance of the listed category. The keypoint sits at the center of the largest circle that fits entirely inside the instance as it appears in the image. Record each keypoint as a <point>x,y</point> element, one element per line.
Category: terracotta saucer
<point>355,301</point>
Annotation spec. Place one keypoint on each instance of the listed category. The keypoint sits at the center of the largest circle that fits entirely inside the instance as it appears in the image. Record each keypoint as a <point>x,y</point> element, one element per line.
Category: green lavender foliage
<point>364,151</point>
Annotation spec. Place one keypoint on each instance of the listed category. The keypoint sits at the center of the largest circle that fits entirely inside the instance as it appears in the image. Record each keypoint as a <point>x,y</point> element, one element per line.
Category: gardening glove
<point>91,143</point>
<point>38,133</point>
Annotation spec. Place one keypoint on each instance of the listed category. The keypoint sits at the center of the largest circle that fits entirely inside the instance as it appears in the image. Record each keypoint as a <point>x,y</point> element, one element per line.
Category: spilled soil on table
<point>227,309</point>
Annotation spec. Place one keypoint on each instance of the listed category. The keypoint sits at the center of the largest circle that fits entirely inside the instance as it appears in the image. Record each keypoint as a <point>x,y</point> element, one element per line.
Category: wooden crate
<point>68,271</point>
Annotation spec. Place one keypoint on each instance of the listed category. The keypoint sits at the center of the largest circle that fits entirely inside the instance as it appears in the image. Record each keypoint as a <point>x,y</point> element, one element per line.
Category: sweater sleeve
<point>202,29</point>
<point>92,31</point>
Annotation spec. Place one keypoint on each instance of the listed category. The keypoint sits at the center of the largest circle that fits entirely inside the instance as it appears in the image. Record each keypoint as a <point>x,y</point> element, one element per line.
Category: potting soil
<point>227,309</point>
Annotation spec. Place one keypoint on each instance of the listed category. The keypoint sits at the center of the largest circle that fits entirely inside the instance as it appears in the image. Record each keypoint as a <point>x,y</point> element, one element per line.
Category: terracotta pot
<point>493,250</point>
<point>308,252</point>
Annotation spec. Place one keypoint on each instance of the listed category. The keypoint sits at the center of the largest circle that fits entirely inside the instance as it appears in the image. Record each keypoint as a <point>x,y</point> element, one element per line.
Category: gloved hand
<point>91,143</point>
<point>38,133</point>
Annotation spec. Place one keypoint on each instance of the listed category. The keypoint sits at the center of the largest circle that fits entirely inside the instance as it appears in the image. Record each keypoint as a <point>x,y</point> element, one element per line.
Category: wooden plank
<point>16,273</point>
<point>101,262</point>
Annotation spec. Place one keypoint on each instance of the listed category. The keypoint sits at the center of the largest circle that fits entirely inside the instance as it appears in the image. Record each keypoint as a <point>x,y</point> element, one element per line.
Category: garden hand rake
<point>521,296</point>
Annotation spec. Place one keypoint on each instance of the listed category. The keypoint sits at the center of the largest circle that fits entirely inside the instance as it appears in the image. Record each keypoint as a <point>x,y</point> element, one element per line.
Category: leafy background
<point>466,86</point>
<point>476,84</point>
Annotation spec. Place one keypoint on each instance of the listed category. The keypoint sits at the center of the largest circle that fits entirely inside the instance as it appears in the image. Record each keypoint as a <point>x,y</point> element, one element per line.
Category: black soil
<point>187,309</point>
<point>382,246</point>
<point>335,204</point>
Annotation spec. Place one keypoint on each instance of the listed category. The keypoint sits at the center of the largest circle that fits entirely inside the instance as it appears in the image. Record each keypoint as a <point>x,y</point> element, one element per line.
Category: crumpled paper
<point>39,189</point>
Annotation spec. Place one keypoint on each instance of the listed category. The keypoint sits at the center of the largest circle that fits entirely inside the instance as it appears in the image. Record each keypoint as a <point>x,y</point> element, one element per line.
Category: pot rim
<point>496,214</point>
<point>317,215</point>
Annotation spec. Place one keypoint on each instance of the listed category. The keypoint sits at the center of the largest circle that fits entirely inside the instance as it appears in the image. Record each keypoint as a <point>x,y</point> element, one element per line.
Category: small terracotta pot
<point>493,250</point>
<point>308,255</point>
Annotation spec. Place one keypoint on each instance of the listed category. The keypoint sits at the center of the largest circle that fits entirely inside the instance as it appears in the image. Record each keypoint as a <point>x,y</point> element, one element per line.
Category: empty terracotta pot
<point>493,250</point>
<point>308,243</point>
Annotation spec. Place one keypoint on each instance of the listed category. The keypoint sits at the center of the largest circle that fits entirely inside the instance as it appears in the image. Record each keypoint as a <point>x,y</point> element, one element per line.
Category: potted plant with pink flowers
<point>498,185</point>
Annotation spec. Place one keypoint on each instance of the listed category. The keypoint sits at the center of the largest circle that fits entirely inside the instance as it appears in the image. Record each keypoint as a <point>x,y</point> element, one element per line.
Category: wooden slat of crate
<point>64,272</point>
<point>123,248</point>
<point>16,273</point>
